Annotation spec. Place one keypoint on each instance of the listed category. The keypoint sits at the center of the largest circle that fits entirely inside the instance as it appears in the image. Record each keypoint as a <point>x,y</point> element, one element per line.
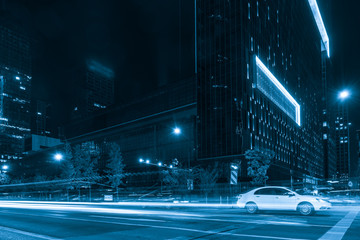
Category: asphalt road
<point>20,221</point>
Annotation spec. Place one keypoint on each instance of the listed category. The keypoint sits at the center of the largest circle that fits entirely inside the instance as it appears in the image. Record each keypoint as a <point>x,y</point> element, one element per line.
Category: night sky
<point>148,43</point>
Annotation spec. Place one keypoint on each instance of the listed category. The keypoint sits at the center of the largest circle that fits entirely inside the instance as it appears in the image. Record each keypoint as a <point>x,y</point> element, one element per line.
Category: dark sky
<point>140,40</point>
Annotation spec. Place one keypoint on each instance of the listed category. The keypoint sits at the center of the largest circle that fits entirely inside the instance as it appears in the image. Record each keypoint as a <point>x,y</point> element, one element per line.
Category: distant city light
<point>171,166</point>
<point>5,167</point>
<point>141,160</point>
<point>344,94</point>
<point>17,78</point>
<point>147,161</point>
<point>160,164</point>
<point>58,156</point>
<point>177,131</point>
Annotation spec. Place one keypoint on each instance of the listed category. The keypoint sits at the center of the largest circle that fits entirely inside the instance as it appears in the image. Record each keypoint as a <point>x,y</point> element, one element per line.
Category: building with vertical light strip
<point>259,73</point>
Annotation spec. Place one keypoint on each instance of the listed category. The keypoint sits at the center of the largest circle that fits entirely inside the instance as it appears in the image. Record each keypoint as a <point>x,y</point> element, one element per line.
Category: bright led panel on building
<point>275,92</point>
<point>320,24</point>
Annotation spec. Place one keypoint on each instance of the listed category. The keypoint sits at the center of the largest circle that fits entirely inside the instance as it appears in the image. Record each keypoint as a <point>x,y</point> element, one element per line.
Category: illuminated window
<point>272,89</point>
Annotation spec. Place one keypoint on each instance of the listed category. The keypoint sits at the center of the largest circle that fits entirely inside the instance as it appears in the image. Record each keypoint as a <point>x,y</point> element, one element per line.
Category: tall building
<point>15,91</point>
<point>98,90</point>
<point>357,159</point>
<point>342,129</point>
<point>259,68</point>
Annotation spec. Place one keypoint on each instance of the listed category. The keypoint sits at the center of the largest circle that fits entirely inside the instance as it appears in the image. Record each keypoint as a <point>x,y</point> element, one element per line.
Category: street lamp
<point>58,157</point>
<point>5,167</point>
<point>344,94</point>
<point>141,160</point>
<point>177,131</point>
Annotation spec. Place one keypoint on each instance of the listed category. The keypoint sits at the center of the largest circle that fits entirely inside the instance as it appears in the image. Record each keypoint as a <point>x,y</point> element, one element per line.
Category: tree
<point>115,167</point>
<point>258,164</point>
<point>4,178</point>
<point>177,178</point>
<point>208,178</point>
<point>80,163</point>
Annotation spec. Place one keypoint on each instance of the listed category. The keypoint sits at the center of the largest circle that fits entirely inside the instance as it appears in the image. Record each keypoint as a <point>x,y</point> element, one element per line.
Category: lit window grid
<point>261,83</point>
<point>320,24</point>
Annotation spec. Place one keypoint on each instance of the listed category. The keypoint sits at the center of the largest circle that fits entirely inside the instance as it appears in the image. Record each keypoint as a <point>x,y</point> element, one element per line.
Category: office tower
<point>15,91</point>
<point>260,81</point>
<point>97,92</point>
<point>342,129</point>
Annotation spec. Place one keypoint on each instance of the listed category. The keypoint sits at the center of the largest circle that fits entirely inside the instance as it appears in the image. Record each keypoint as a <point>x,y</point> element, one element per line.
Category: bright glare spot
<point>177,131</point>
<point>17,78</point>
<point>141,160</point>
<point>171,166</point>
<point>344,94</point>
<point>58,157</point>
<point>5,167</point>
<point>234,167</point>
<point>159,163</point>
<point>147,161</point>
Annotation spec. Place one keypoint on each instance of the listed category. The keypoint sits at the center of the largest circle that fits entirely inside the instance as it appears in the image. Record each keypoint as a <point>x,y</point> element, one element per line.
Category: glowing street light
<point>344,94</point>
<point>147,161</point>
<point>58,157</point>
<point>160,164</point>
<point>177,131</point>
<point>5,167</point>
<point>141,160</point>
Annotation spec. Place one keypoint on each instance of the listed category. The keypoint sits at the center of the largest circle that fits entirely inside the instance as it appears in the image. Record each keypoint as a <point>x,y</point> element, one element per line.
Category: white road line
<point>169,228</point>
<point>338,231</point>
<point>131,219</point>
<point>30,234</point>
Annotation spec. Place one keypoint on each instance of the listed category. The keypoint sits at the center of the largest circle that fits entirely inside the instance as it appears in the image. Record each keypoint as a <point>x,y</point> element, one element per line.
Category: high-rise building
<point>41,117</point>
<point>357,158</point>
<point>342,129</point>
<point>98,90</point>
<point>259,68</point>
<point>15,91</point>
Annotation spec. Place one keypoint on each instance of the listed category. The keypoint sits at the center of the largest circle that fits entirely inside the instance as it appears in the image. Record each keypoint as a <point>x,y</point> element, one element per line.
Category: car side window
<point>280,191</point>
<point>265,191</point>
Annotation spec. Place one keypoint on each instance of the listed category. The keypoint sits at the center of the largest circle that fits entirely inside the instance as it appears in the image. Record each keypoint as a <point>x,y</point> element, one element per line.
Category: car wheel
<point>306,209</point>
<point>251,207</point>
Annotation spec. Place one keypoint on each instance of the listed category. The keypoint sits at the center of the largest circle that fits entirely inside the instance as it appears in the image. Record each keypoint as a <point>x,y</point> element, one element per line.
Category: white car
<point>280,198</point>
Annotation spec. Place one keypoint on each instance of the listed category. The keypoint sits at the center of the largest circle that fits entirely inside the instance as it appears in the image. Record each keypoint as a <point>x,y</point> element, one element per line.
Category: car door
<point>264,198</point>
<point>284,199</point>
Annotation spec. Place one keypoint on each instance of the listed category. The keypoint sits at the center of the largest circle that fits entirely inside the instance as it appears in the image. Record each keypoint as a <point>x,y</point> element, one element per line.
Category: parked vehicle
<point>281,198</point>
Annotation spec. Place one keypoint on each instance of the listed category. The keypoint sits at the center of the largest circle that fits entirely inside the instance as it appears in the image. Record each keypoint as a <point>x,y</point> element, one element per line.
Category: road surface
<point>53,221</point>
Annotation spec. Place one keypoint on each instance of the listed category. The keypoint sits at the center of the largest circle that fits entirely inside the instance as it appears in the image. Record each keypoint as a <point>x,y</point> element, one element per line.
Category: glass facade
<point>15,91</point>
<point>234,115</point>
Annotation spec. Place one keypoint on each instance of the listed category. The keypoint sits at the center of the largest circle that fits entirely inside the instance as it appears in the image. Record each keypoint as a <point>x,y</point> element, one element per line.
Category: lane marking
<point>131,219</point>
<point>338,231</point>
<point>169,228</point>
<point>204,218</point>
<point>30,234</point>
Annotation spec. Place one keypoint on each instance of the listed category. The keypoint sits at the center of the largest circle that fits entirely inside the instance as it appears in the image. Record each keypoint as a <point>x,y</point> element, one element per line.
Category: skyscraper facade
<point>260,81</point>
<point>15,91</point>
<point>342,129</point>
<point>97,92</point>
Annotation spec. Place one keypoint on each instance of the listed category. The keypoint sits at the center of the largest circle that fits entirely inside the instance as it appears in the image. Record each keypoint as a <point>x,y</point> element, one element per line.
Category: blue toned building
<point>96,92</point>
<point>259,73</point>
<point>15,92</point>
